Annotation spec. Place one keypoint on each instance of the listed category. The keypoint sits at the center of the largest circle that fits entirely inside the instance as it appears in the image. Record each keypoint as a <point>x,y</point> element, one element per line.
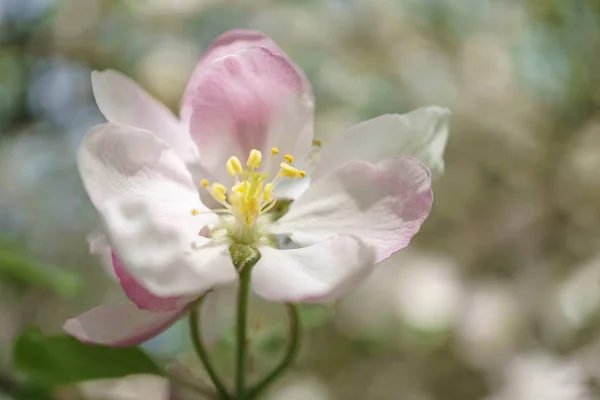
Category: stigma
<point>252,194</point>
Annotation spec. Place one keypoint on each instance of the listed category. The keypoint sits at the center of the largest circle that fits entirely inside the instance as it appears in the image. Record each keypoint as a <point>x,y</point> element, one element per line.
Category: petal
<point>145,196</point>
<point>100,247</point>
<point>383,204</point>
<point>120,325</point>
<point>250,99</point>
<point>124,102</point>
<point>422,134</point>
<point>142,297</point>
<point>322,271</point>
<point>228,43</point>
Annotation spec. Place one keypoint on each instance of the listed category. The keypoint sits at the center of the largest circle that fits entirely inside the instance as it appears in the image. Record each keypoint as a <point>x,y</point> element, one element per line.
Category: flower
<point>171,203</point>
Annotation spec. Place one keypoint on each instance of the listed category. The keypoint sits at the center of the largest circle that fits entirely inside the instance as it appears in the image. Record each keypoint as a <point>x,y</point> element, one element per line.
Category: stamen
<point>288,171</point>
<point>317,143</point>
<point>268,207</point>
<point>241,187</point>
<point>218,191</point>
<point>234,166</point>
<point>254,159</point>
<point>195,212</point>
<point>235,199</point>
<point>252,194</point>
<point>268,192</point>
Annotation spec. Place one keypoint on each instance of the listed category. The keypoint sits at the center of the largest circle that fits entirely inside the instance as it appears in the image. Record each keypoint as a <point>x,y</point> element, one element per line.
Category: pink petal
<point>120,325</point>
<point>383,204</point>
<point>323,271</point>
<point>251,99</point>
<point>142,297</point>
<point>228,43</point>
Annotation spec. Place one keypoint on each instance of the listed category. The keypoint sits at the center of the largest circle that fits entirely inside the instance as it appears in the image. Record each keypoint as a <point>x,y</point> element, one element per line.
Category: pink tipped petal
<point>142,297</point>
<point>228,43</point>
<point>120,325</point>
<point>383,204</point>
<point>124,102</point>
<point>250,99</point>
<point>322,271</point>
<point>145,197</point>
<point>421,133</point>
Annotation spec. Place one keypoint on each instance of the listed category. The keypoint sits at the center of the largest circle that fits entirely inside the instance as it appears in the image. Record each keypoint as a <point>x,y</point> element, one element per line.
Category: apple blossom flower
<point>124,102</point>
<point>171,216</point>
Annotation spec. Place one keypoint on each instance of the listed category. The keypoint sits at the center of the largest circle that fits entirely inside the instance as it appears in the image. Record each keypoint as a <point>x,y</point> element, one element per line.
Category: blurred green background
<point>498,298</point>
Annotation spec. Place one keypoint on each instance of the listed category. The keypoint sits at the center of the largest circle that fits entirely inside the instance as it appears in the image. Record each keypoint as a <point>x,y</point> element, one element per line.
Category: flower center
<point>252,194</point>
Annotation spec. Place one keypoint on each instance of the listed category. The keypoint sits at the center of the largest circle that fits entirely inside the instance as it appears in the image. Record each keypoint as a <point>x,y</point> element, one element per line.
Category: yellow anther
<point>204,182</point>
<point>288,171</point>
<point>241,187</point>
<point>316,143</point>
<point>289,158</point>
<point>195,212</point>
<point>234,166</point>
<point>268,192</point>
<point>254,159</point>
<point>274,150</point>
<point>219,191</point>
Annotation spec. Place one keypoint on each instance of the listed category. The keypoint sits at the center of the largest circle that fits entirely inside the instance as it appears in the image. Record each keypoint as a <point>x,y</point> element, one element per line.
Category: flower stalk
<point>241,335</point>
<point>244,258</point>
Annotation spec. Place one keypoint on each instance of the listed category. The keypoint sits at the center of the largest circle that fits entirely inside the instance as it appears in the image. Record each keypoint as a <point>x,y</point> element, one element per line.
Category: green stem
<point>201,350</point>
<point>290,355</point>
<point>241,341</point>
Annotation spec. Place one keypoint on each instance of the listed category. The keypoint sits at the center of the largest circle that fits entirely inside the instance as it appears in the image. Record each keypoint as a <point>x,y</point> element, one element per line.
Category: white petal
<point>323,271</point>
<point>384,205</point>
<point>100,247</point>
<point>119,325</point>
<point>292,188</point>
<point>145,196</point>
<point>124,102</point>
<point>421,133</point>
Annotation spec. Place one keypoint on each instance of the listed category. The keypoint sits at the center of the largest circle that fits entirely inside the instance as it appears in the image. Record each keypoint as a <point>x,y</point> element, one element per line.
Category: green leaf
<point>32,391</point>
<point>62,359</point>
<point>17,265</point>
